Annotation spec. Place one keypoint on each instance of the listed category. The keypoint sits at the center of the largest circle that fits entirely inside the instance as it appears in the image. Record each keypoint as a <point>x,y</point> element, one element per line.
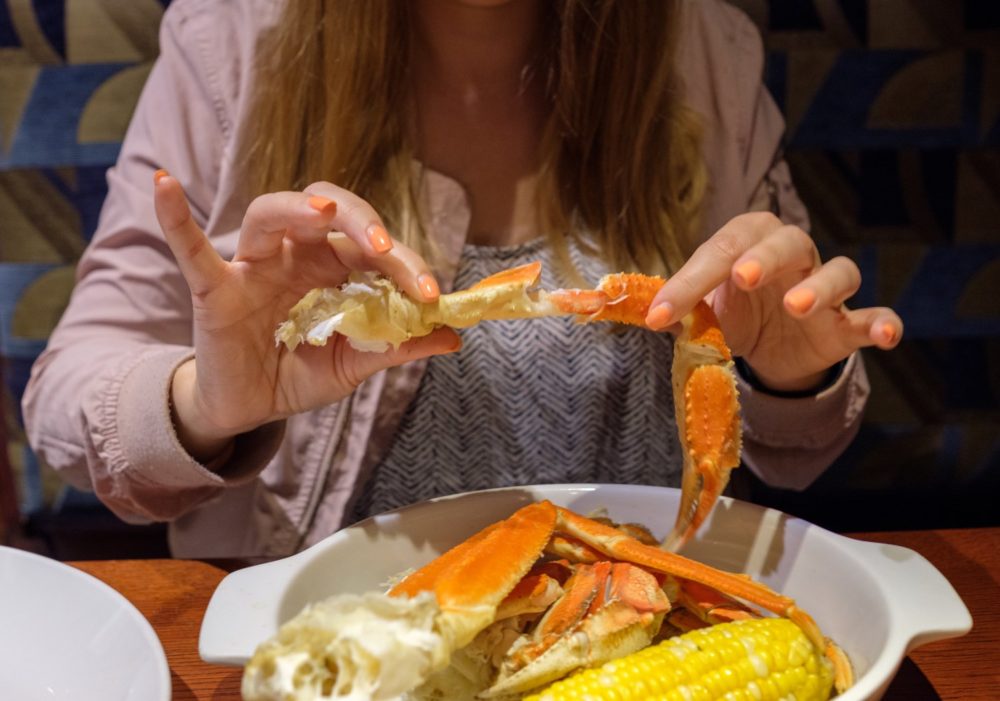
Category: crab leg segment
<point>608,610</point>
<point>623,298</point>
<point>539,589</point>
<point>711,606</point>
<point>581,593</point>
<point>572,549</point>
<point>621,547</point>
<point>521,276</point>
<point>705,397</point>
<point>707,410</point>
<point>471,580</point>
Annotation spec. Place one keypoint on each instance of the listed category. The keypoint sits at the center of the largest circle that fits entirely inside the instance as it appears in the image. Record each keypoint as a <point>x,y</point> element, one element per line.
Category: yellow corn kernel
<point>764,659</point>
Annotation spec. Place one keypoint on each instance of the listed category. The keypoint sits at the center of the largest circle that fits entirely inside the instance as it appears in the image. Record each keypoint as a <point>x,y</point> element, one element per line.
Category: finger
<point>786,249</point>
<point>872,326</point>
<point>270,218</point>
<point>708,267</point>
<point>356,218</point>
<point>402,264</point>
<point>829,287</point>
<point>200,263</point>
<point>357,365</point>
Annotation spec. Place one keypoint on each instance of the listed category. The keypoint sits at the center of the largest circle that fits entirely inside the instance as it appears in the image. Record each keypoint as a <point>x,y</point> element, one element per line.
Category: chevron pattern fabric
<point>534,401</point>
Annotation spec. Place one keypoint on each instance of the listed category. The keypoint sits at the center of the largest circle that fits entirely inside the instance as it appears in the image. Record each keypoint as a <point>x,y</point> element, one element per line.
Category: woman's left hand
<point>781,308</point>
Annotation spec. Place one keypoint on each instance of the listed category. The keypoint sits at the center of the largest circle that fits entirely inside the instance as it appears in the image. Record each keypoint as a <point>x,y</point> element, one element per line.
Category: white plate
<point>878,601</point>
<point>66,636</point>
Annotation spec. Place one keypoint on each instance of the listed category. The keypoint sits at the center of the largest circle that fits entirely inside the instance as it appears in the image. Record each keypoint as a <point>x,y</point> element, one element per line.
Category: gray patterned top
<point>533,401</point>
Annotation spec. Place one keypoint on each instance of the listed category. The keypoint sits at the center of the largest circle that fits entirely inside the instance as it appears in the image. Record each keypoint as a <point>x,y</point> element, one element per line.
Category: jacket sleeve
<point>97,404</point>
<point>788,442</point>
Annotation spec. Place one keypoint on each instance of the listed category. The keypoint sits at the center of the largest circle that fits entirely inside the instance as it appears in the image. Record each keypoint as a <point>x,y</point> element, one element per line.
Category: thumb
<point>359,365</point>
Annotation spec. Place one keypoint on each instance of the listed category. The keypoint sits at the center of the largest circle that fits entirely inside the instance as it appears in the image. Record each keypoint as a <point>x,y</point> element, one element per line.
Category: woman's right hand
<point>239,378</point>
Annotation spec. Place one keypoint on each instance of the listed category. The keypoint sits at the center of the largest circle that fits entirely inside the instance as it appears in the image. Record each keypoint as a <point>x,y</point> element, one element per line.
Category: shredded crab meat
<point>349,648</point>
<point>374,314</point>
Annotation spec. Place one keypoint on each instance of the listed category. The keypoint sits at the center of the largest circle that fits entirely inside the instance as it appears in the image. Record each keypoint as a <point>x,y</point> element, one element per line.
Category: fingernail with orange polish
<point>801,300</point>
<point>378,237</point>
<point>659,316</point>
<point>428,286</point>
<point>749,272</point>
<point>321,204</point>
<point>159,175</point>
<point>888,332</point>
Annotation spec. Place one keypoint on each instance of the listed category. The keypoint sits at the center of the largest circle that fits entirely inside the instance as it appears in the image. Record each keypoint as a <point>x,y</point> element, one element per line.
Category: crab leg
<point>707,409</point>
<point>710,605</point>
<point>621,547</point>
<point>704,385</point>
<point>471,580</point>
<point>615,544</point>
<point>608,610</point>
<point>623,298</point>
<point>581,592</point>
<point>533,594</point>
<point>373,314</point>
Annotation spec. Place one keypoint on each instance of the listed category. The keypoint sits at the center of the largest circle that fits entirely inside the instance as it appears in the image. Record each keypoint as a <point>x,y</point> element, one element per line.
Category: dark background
<point>893,113</point>
<point>893,110</point>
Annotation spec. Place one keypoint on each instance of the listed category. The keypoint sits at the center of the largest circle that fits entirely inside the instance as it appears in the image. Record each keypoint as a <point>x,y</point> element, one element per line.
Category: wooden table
<point>173,595</point>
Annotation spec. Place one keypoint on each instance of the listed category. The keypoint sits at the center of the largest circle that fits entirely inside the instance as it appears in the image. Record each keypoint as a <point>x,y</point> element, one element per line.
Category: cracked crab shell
<point>369,310</point>
<point>374,314</point>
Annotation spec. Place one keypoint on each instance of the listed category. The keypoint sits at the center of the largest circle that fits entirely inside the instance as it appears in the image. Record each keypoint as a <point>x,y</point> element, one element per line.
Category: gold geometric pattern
<point>42,303</point>
<point>30,34</point>
<point>111,31</point>
<point>977,205</point>
<point>107,114</point>
<point>926,94</point>
<point>17,80</point>
<point>44,226</point>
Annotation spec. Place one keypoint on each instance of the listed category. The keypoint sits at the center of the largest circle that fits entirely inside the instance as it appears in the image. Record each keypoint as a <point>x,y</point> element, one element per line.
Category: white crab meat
<point>374,314</point>
<point>349,648</point>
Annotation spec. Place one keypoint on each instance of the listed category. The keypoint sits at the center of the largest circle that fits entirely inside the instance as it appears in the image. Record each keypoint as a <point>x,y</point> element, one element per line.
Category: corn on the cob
<point>749,660</point>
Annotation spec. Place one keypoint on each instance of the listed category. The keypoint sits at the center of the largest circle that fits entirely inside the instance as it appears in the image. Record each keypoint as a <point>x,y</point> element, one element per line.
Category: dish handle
<point>923,603</point>
<point>243,611</point>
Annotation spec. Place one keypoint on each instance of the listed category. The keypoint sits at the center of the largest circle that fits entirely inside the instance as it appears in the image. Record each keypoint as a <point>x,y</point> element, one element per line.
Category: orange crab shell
<point>472,579</point>
<point>622,298</point>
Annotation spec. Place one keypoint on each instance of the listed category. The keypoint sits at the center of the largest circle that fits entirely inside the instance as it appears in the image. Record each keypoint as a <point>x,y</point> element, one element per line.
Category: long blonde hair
<point>620,157</point>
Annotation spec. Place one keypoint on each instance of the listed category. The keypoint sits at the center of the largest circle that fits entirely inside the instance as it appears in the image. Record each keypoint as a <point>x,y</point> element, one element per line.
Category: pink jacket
<point>97,405</point>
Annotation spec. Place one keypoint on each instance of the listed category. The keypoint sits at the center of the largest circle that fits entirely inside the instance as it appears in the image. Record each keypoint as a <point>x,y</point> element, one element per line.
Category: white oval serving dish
<point>877,601</point>
<point>67,636</point>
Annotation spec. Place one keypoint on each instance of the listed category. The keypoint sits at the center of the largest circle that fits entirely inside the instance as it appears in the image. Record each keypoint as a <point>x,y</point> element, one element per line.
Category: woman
<point>445,139</point>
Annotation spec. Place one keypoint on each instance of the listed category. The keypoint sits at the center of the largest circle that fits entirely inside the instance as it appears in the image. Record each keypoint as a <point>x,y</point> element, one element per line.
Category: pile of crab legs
<point>553,591</point>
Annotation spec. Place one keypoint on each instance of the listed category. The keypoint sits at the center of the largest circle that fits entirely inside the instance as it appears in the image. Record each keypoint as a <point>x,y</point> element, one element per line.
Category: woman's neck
<point>480,115</point>
<point>476,52</point>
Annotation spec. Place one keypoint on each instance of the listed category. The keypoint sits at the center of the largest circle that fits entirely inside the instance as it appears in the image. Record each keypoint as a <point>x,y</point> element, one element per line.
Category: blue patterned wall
<point>70,74</point>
